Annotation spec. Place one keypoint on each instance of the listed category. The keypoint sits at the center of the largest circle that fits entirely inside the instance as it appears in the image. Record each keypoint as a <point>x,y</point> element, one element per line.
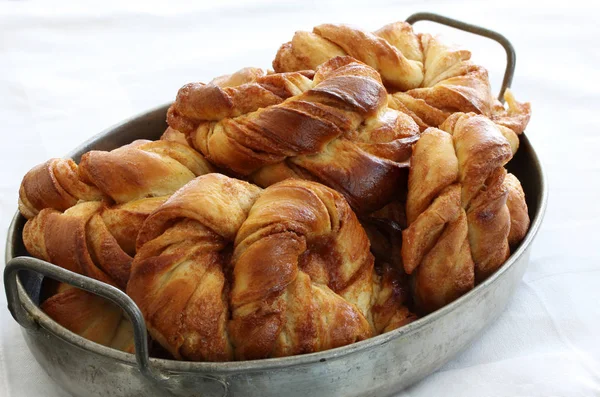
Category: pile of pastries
<point>359,185</point>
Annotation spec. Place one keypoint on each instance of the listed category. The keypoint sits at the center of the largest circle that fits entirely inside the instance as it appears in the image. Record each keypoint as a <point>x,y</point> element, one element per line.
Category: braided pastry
<point>131,172</point>
<point>74,223</point>
<point>90,238</point>
<point>429,80</point>
<point>233,95</point>
<point>460,226</point>
<point>225,270</point>
<point>97,238</point>
<point>91,317</point>
<point>403,71</point>
<point>516,116</point>
<point>335,129</point>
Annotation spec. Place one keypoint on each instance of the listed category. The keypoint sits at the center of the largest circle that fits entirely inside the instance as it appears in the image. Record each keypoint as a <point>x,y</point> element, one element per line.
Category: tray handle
<point>168,383</point>
<point>511,56</point>
<point>14,266</point>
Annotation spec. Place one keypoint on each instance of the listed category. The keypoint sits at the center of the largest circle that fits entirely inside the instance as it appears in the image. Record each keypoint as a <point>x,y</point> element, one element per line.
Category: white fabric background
<point>68,70</point>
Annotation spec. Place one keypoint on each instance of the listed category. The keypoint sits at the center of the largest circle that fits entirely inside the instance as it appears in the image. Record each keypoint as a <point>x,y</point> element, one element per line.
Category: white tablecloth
<point>67,71</point>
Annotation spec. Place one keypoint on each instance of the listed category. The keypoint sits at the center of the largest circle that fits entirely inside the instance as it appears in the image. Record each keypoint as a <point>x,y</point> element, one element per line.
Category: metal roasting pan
<point>378,366</point>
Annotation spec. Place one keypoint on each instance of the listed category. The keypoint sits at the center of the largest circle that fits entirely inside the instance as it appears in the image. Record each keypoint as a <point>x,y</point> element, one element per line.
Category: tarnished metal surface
<point>375,367</point>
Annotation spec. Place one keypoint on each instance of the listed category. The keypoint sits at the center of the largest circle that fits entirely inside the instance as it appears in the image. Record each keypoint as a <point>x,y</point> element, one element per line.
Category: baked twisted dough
<point>131,172</point>
<point>233,95</point>
<point>90,238</point>
<point>402,70</point>
<point>335,129</point>
<point>460,226</point>
<point>429,80</point>
<point>97,237</point>
<point>91,317</point>
<point>225,270</point>
<point>517,207</point>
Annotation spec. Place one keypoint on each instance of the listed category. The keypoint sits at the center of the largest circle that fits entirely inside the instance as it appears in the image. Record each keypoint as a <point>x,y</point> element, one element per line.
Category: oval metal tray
<point>378,366</point>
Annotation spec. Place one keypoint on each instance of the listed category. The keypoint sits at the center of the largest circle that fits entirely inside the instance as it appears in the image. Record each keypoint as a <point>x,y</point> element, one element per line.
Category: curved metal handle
<point>511,56</point>
<point>213,385</point>
<point>14,266</point>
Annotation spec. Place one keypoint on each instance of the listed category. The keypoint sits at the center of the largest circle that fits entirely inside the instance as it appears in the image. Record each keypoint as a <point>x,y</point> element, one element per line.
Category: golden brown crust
<point>87,233</point>
<point>428,79</point>
<point>125,220</point>
<point>391,294</point>
<point>459,221</point>
<point>59,238</point>
<point>489,225</point>
<point>446,271</point>
<point>91,317</point>
<point>197,102</point>
<point>307,229</point>
<point>341,115</point>
<point>422,113</point>
<point>150,169</point>
<point>516,116</point>
<point>434,167</point>
<point>135,171</point>
<point>242,76</point>
<point>89,238</point>
<point>481,149</point>
<point>422,234</point>
<point>171,134</point>
<point>394,67</point>
<point>54,184</point>
<point>225,270</point>
<point>402,37</point>
<point>519,215</point>
<point>451,82</point>
<point>389,136</point>
<point>178,278</point>
<point>309,50</point>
